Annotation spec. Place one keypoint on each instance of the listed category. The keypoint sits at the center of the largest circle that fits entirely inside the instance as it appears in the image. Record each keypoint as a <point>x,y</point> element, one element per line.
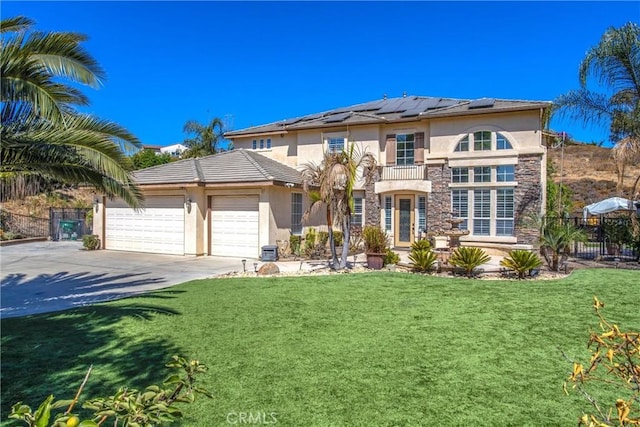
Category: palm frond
<point>15,24</point>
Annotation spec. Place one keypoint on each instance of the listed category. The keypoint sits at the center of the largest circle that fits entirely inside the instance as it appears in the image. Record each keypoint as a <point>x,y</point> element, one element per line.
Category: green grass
<point>377,349</point>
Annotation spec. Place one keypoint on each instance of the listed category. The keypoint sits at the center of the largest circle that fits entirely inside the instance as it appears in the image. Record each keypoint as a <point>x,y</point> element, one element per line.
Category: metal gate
<point>69,223</point>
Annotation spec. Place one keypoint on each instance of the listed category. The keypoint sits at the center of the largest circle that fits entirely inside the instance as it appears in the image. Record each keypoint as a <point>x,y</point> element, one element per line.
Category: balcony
<point>404,173</point>
<point>411,178</point>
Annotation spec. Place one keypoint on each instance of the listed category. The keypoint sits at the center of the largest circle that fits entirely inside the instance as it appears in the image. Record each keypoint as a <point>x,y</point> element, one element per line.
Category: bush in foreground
<point>152,406</point>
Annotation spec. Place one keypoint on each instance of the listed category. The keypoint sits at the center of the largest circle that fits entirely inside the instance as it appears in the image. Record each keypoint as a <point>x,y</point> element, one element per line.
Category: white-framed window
<point>485,211</point>
<point>356,218</point>
<point>459,175</point>
<point>296,213</point>
<point>504,211</point>
<point>482,174</point>
<point>255,144</point>
<point>505,173</point>
<point>387,213</point>
<point>482,212</point>
<point>405,144</point>
<point>268,143</point>
<point>482,141</point>
<point>335,144</point>
<point>502,143</point>
<point>463,145</point>
<point>460,206</point>
<point>422,214</point>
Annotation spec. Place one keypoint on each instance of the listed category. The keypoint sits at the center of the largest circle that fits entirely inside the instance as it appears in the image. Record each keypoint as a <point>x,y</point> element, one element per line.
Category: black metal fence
<point>69,224</point>
<point>16,226</point>
<point>606,237</point>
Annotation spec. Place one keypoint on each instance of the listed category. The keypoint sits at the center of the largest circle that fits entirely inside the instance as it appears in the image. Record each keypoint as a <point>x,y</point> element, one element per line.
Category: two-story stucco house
<point>482,161</point>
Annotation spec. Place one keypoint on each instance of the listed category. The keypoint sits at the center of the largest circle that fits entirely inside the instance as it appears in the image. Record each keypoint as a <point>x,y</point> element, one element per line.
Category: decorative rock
<point>268,268</point>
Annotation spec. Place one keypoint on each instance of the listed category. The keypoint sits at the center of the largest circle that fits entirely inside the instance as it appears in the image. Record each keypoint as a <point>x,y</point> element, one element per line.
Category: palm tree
<point>332,183</point>
<point>206,138</point>
<point>43,138</point>
<point>615,64</point>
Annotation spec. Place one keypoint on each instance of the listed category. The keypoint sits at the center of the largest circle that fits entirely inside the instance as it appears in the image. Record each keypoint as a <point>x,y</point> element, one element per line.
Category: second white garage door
<point>159,228</point>
<point>235,226</point>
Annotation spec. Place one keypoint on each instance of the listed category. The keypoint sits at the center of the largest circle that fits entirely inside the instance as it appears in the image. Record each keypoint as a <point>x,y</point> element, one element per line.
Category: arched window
<point>463,145</point>
<point>502,143</point>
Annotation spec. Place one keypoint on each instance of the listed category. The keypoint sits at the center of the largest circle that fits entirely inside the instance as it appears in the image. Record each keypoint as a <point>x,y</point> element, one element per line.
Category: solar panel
<point>337,117</point>
<point>312,117</point>
<point>369,106</point>
<point>392,106</point>
<point>291,121</point>
<point>429,103</point>
<point>446,103</point>
<point>482,103</point>
<point>412,112</point>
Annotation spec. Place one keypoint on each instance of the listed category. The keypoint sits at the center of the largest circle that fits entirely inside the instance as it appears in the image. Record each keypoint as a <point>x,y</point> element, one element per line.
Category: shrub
<point>615,359</point>
<point>355,238</point>
<point>468,259</point>
<point>294,244</point>
<point>556,239</point>
<point>337,238</point>
<point>310,241</point>
<point>12,235</point>
<point>391,257</point>
<point>521,261</point>
<point>91,242</point>
<point>152,406</point>
<point>422,260</point>
<point>323,238</point>
<point>421,245</point>
<point>375,239</point>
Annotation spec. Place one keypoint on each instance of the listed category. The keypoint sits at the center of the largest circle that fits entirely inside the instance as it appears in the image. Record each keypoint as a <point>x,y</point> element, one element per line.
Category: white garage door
<point>159,228</point>
<point>234,226</point>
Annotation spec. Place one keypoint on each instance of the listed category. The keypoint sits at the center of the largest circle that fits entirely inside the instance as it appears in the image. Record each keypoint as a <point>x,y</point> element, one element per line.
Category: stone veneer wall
<point>528,198</point>
<point>372,200</point>
<point>439,201</point>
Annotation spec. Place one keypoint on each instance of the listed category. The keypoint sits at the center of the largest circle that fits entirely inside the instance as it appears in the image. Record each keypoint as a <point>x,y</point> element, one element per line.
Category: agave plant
<point>468,258</point>
<point>422,260</point>
<point>421,245</point>
<point>521,261</point>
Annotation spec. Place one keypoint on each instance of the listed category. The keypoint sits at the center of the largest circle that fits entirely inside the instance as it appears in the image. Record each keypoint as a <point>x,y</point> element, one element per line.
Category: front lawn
<point>342,350</point>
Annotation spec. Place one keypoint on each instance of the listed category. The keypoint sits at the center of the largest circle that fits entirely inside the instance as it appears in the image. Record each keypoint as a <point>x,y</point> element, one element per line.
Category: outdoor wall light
<point>188,204</point>
<point>255,267</point>
<point>244,265</point>
<point>96,204</point>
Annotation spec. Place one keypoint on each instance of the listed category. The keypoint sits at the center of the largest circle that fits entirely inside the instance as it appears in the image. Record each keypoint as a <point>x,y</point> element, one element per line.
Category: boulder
<point>268,269</point>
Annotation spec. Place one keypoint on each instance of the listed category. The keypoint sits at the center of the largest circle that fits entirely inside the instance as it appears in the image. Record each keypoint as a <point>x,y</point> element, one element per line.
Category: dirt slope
<point>590,172</point>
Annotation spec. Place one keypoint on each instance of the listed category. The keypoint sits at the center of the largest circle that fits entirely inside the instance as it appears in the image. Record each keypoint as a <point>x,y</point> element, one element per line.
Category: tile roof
<point>409,108</point>
<point>226,167</point>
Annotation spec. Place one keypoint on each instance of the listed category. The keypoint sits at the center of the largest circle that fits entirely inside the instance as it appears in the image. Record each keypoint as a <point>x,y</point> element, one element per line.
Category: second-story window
<point>405,144</point>
<point>459,175</point>
<point>335,145</point>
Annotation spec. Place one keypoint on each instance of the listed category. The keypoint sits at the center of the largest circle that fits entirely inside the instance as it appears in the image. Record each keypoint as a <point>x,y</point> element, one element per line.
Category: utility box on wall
<point>269,253</point>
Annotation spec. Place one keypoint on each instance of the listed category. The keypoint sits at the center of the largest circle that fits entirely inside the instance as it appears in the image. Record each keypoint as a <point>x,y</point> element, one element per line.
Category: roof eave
<point>241,134</point>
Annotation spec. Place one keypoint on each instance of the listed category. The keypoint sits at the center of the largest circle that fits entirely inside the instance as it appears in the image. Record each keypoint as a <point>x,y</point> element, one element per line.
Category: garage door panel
<point>159,228</point>
<point>235,226</point>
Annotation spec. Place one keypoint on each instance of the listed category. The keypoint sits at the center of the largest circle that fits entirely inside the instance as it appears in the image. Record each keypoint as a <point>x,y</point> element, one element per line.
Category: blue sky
<point>252,63</point>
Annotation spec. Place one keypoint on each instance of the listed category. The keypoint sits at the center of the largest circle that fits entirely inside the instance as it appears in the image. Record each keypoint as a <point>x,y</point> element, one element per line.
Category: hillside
<point>589,171</point>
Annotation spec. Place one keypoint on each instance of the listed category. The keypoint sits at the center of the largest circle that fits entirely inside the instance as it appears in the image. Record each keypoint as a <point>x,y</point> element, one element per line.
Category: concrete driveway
<point>42,277</point>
